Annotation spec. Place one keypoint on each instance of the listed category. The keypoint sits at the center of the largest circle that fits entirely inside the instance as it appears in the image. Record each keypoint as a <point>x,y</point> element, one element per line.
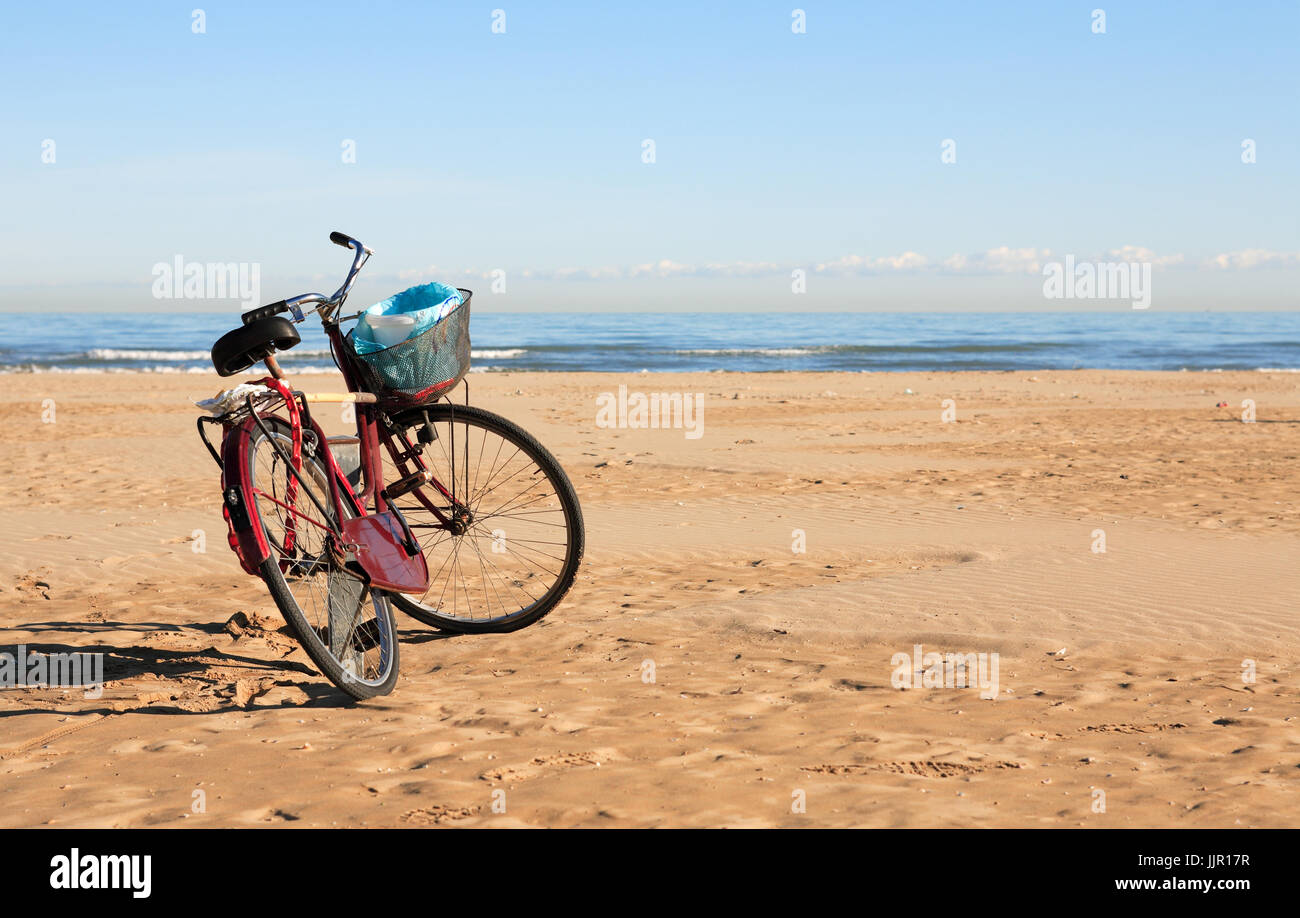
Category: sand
<point>1120,698</point>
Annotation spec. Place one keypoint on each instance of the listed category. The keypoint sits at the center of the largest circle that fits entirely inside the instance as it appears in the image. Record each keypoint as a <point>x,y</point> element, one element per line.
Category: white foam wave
<point>109,353</point>
<point>499,354</point>
<point>750,351</point>
<point>157,368</point>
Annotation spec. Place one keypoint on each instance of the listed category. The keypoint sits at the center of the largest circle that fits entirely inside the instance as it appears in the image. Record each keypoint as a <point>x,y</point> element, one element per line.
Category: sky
<point>516,161</point>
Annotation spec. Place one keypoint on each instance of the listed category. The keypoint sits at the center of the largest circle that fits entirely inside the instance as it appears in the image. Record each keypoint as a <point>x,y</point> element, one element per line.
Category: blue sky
<point>774,151</point>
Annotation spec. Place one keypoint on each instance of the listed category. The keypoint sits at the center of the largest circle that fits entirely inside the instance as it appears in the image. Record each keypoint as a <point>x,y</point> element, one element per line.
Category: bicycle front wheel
<point>516,537</point>
<point>346,628</point>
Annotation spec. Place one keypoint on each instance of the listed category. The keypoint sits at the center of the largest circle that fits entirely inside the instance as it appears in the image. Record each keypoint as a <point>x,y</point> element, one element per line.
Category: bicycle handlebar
<point>292,304</point>
<point>348,242</point>
<point>265,312</point>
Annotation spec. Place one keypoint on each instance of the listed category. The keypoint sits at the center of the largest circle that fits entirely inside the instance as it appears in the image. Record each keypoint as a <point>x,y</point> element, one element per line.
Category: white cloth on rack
<point>231,399</point>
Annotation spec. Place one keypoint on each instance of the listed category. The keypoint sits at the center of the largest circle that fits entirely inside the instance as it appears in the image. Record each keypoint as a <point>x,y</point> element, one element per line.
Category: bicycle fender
<point>381,551</point>
<point>245,535</point>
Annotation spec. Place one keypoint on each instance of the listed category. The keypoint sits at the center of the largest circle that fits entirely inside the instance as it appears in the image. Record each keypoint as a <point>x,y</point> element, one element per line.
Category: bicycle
<point>337,546</point>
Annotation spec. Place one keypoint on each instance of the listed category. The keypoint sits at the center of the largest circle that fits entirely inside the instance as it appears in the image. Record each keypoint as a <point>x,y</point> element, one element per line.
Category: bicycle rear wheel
<point>518,535</point>
<point>346,628</point>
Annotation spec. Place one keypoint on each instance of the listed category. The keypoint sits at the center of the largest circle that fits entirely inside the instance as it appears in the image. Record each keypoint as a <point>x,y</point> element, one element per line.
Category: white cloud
<point>1246,259</point>
<point>607,272</point>
<point>877,264</point>
<point>1002,260</point>
<point>662,268</point>
<point>1136,254</point>
<point>433,272</point>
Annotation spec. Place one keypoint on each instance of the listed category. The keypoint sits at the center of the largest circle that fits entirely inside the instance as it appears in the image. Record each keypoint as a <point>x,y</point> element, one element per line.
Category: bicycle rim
<point>345,627</point>
<point>523,535</point>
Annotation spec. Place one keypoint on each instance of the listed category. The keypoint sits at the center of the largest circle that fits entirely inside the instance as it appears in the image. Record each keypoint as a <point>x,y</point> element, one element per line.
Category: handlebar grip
<point>339,239</point>
<point>264,312</point>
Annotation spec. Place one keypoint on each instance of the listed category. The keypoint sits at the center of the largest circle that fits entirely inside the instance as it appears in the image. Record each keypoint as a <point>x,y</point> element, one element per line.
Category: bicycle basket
<point>420,369</point>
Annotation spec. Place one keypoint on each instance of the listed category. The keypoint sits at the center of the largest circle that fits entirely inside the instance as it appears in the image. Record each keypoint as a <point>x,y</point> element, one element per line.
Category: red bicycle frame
<point>380,543</point>
<point>370,432</point>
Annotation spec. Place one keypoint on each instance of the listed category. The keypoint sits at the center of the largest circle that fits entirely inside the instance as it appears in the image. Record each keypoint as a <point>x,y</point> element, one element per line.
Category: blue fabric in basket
<point>428,303</point>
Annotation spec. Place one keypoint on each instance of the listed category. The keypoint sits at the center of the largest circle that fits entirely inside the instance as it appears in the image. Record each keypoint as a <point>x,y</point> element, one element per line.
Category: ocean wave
<point>158,368</point>
<point>753,351</point>
<point>874,350</point>
<point>327,369</point>
<point>110,354</point>
<point>499,354</point>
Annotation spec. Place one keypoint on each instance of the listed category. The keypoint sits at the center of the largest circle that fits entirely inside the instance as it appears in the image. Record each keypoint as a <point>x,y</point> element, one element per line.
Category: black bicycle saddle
<point>238,350</point>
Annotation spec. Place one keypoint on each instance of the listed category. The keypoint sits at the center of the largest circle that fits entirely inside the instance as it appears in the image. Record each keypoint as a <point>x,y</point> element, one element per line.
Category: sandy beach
<point>765,573</point>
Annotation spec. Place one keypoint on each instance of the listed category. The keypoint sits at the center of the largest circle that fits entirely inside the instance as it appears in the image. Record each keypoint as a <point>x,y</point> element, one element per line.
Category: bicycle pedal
<point>408,484</point>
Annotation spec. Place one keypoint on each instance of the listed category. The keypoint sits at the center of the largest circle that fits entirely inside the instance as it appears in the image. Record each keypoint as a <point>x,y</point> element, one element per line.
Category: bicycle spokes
<point>332,599</point>
<point>492,525</point>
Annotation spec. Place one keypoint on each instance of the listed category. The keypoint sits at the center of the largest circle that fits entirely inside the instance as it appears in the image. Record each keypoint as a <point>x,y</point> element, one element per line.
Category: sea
<point>177,342</point>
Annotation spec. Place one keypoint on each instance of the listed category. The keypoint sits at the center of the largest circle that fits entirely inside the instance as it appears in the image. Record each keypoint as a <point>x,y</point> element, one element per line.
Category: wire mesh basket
<point>420,369</point>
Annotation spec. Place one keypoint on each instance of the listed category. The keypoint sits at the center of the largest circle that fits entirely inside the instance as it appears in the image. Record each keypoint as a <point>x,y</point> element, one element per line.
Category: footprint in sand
<point>924,768</point>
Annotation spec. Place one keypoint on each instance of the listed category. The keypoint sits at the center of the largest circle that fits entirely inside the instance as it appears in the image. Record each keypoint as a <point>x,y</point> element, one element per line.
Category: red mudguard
<point>381,552</point>
<point>246,540</point>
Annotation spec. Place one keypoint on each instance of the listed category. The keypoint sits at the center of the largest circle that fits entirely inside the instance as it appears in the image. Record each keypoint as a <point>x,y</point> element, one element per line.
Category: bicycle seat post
<point>274,366</point>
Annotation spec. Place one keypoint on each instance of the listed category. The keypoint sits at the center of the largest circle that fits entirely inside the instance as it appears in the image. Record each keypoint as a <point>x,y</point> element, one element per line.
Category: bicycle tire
<point>308,635</point>
<point>563,488</point>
